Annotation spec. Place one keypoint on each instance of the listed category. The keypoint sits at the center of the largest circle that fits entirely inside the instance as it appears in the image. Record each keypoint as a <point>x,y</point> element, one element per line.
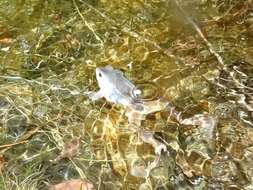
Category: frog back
<point>122,86</point>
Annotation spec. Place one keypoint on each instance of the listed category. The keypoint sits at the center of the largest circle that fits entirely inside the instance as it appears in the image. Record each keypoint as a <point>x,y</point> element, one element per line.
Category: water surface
<point>49,51</point>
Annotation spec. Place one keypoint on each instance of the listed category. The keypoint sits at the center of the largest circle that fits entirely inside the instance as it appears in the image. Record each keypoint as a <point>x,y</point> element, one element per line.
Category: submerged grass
<point>49,51</point>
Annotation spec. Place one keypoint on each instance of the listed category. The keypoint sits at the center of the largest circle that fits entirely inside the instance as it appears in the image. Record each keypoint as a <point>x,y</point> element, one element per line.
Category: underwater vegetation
<point>192,62</point>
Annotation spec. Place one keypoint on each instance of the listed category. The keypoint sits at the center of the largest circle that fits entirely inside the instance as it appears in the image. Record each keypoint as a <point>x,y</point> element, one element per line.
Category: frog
<point>116,88</point>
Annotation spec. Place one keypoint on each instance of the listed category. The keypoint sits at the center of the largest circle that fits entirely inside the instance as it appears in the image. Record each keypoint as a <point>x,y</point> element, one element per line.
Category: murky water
<point>52,132</point>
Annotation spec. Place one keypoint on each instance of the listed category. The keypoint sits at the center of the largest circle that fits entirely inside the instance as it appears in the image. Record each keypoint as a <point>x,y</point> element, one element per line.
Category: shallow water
<point>49,51</point>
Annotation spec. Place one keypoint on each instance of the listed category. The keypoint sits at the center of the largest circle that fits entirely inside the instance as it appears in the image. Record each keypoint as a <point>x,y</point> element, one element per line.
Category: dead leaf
<point>70,149</point>
<point>70,41</point>
<point>73,184</point>
<point>148,137</point>
<point>183,164</point>
<point>139,171</point>
<point>6,40</point>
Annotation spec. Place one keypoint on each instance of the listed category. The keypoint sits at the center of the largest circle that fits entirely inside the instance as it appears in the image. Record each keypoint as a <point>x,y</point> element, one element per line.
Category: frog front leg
<point>95,95</point>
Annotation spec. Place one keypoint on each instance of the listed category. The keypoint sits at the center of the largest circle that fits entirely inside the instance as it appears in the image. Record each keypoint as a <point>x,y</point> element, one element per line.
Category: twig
<point>88,25</point>
<point>202,36</point>
<point>13,144</point>
<point>21,140</point>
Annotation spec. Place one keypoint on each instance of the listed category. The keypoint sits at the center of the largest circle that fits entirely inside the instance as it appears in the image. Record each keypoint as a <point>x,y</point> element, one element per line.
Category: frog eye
<point>99,74</point>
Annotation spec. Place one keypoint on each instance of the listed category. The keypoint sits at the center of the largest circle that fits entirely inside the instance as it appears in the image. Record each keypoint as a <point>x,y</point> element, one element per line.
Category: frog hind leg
<point>137,106</point>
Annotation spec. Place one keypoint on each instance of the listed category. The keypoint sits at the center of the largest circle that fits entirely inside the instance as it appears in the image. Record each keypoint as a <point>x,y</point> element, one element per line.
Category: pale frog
<point>114,87</point>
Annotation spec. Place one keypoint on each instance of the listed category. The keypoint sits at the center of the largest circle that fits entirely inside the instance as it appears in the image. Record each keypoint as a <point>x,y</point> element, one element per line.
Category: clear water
<point>49,51</point>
